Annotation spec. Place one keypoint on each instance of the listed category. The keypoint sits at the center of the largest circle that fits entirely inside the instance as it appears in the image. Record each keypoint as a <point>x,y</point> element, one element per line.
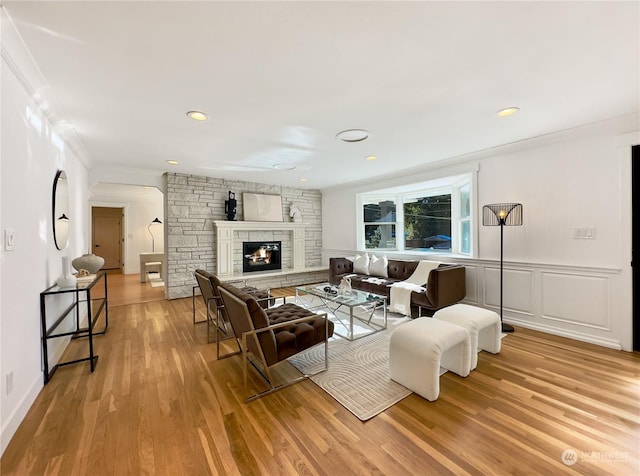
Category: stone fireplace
<point>230,236</point>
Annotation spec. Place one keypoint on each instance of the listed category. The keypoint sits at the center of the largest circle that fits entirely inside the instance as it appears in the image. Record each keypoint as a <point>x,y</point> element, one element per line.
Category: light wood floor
<point>159,403</point>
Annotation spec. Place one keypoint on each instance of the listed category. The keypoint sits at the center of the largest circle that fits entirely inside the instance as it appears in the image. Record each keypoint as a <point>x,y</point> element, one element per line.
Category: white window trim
<point>398,194</point>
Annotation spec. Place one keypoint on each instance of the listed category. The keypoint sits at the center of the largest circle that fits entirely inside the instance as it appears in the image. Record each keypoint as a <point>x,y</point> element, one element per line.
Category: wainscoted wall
<point>571,301</point>
<point>193,203</point>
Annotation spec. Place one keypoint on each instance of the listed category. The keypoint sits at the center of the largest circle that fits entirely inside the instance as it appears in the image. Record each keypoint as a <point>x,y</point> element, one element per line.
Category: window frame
<point>453,185</point>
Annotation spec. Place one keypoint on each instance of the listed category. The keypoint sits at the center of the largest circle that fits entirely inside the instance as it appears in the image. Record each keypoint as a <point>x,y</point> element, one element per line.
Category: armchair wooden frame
<point>250,344</point>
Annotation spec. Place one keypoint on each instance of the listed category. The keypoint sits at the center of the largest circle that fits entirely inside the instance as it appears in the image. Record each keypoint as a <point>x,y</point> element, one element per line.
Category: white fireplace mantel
<point>225,241</point>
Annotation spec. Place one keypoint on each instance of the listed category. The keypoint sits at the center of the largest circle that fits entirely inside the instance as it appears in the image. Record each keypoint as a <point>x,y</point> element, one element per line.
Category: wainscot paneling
<point>576,299</point>
<point>517,290</point>
<point>570,301</point>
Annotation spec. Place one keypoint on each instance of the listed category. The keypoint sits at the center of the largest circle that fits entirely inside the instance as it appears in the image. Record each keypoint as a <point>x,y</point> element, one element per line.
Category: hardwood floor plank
<point>159,402</point>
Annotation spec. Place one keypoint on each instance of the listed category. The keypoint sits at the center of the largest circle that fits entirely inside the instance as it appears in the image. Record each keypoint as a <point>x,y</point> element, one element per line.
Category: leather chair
<point>268,337</point>
<point>215,313</point>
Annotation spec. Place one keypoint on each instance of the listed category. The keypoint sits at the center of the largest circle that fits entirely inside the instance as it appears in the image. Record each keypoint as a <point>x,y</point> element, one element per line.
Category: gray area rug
<point>358,375</point>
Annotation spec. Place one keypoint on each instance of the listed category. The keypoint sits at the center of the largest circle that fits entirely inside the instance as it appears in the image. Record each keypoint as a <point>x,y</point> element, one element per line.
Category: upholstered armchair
<point>214,307</point>
<point>268,337</point>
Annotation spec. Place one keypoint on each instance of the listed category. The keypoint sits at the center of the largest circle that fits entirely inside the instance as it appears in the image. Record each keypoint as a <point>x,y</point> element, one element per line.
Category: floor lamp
<point>502,214</point>
<point>153,240</point>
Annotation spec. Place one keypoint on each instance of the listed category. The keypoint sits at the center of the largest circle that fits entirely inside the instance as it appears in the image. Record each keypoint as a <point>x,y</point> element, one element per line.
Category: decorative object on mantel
<point>90,262</point>
<point>67,279</point>
<point>262,207</point>
<point>295,213</point>
<point>230,206</point>
<point>155,221</point>
<point>502,214</point>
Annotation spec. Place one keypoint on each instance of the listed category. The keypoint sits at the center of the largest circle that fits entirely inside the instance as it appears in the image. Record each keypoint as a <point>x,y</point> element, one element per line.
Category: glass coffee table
<point>353,312</point>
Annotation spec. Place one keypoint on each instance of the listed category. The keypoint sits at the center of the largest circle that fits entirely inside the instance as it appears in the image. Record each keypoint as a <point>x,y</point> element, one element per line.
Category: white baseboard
<point>10,426</point>
<point>591,339</point>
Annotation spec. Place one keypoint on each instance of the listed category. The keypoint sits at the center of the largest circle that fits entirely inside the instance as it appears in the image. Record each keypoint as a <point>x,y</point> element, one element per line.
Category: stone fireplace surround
<point>231,234</point>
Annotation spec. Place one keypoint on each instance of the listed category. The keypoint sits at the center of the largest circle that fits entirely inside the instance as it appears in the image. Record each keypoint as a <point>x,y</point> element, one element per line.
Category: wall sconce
<point>153,240</point>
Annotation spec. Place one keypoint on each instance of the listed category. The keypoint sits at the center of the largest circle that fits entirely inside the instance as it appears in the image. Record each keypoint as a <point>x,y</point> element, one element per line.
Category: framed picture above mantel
<point>262,207</point>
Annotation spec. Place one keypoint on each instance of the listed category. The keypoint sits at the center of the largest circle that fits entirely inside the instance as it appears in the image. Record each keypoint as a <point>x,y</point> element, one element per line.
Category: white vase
<point>67,279</point>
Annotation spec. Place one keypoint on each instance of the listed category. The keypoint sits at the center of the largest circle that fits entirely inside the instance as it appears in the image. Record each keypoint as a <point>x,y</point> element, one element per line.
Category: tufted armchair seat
<point>268,337</point>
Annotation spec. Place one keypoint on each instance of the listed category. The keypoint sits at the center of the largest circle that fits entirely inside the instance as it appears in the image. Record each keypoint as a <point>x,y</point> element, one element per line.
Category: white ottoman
<point>419,348</point>
<point>483,326</point>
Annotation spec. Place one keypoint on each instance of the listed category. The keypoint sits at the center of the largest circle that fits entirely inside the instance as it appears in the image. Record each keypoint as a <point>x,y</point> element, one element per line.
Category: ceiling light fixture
<point>197,115</point>
<point>371,157</point>
<point>172,162</point>
<point>352,135</point>
<point>284,166</point>
<point>508,111</point>
<point>303,179</point>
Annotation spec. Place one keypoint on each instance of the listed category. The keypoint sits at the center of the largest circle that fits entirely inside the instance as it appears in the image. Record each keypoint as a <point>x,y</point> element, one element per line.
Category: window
<point>379,223</point>
<point>429,217</point>
<point>427,222</point>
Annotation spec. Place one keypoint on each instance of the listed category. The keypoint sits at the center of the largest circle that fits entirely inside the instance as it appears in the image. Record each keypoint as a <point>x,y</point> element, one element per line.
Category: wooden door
<point>107,235</point>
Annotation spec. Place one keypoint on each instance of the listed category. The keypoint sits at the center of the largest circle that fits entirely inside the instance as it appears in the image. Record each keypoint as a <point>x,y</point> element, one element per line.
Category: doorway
<point>107,235</point>
<point>635,242</point>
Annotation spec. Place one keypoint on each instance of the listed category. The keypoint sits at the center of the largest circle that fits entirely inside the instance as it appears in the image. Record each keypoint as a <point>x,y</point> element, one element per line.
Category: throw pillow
<point>378,266</point>
<point>361,264</point>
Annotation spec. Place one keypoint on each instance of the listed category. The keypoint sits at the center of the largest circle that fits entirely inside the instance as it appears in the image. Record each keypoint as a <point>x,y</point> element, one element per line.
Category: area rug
<point>358,375</point>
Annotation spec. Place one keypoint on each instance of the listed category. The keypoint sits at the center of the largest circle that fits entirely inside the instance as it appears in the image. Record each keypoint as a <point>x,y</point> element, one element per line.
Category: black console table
<point>81,293</point>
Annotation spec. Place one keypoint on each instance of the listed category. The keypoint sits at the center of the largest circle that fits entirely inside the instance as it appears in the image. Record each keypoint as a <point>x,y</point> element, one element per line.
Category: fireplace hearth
<point>261,256</point>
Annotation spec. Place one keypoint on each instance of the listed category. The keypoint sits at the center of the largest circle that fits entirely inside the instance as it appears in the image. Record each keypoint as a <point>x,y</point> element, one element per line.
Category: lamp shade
<point>507,214</point>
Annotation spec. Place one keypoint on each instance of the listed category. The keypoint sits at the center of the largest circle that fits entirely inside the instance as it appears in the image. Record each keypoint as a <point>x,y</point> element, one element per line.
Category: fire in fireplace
<point>261,255</point>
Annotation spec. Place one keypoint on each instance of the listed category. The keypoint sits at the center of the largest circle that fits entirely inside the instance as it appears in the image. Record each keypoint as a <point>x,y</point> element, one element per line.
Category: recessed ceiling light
<point>352,135</point>
<point>303,179</point>
<point>197,115</point>
<point>172,162</point>
<point>508,111</point>
<point>284,166</point>
<point>371,157</point>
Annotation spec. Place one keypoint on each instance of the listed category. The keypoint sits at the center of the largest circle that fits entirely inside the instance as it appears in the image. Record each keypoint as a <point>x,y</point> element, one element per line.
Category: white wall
<point>574,179</point>
<point>31,153</point>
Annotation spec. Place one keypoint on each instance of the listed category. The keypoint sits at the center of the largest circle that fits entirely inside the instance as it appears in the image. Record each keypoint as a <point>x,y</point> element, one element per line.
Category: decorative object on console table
<point>502,214</point>
<point>67,280</point>
<point>156,221</point>
<point>230,206</point>
<point>90,262</point>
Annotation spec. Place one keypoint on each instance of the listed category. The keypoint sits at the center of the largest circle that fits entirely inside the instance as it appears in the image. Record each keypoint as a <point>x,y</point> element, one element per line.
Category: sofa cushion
<point>361,264</point>
<point>378,266</point>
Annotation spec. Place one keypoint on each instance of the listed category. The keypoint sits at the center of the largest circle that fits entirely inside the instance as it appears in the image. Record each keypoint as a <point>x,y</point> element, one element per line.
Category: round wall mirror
<point>60,210</point>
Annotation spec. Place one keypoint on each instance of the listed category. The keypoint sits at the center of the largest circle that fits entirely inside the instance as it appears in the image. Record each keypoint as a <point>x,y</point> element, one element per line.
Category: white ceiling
<point>280,79</point>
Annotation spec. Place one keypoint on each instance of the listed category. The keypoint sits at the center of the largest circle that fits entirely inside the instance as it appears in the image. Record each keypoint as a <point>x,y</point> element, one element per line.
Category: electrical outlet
<point>8,240</point>
<point>584,233</point>
<point>9,382</point>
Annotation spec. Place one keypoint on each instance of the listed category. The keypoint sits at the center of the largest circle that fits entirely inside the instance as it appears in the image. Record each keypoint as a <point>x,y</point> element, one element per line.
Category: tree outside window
<point>427,223</point>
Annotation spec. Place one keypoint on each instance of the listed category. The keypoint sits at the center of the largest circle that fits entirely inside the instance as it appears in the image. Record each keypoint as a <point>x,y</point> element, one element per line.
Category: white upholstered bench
<point>482,324</point>
<point>419,348</point>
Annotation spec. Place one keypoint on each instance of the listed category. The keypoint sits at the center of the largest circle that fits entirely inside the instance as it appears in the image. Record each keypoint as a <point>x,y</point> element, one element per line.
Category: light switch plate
<point>8,240</point>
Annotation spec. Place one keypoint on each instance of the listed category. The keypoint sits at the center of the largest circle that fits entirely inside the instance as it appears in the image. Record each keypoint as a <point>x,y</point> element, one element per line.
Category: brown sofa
<point>446,284</point>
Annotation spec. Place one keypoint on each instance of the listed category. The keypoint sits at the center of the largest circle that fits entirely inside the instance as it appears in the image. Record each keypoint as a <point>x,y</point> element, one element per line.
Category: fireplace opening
<point>261,255</point>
